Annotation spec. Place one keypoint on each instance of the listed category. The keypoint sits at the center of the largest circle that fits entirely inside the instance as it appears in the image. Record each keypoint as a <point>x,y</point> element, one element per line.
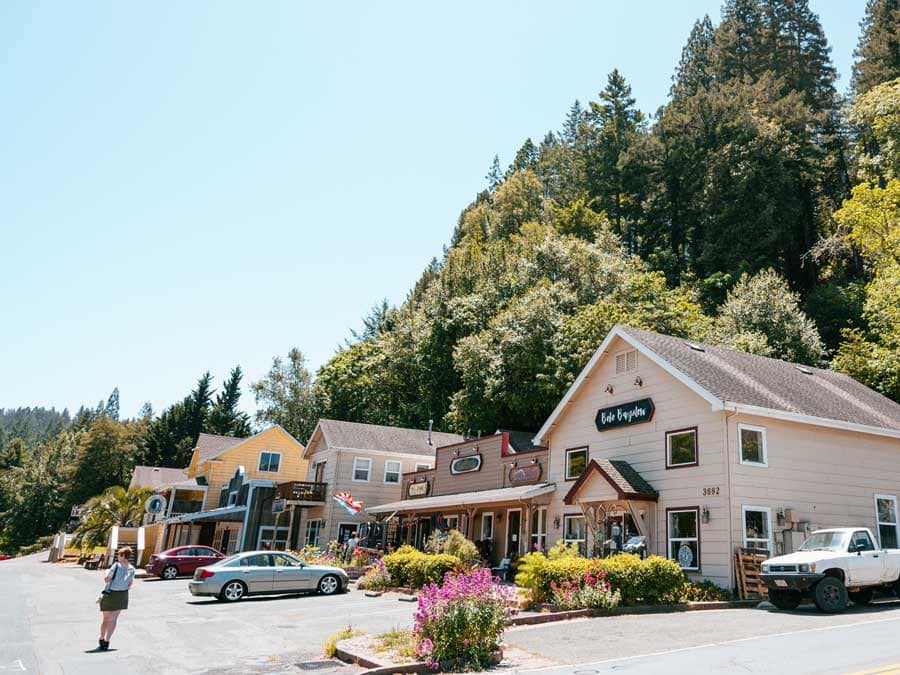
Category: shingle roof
<point>154,476</point>
<point>521,441</point>
<point>210,445</point>
<point>747,379</point>
<point>627,482</point>
<point>357,436</point>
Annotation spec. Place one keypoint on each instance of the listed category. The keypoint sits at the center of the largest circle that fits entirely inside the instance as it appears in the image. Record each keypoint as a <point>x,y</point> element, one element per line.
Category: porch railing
<point>302,491</point>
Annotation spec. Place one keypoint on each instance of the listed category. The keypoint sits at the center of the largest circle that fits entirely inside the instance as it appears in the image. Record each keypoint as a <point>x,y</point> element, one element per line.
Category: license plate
<point>781,582</point>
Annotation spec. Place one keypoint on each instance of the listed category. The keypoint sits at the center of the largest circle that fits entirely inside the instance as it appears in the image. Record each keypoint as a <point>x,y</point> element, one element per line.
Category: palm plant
<point>115,506</point>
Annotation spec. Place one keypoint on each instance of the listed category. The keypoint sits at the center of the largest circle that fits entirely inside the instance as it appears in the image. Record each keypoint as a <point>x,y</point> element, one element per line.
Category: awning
<point>511,494</point>
<point>226,513</point>
<point>618,477</point>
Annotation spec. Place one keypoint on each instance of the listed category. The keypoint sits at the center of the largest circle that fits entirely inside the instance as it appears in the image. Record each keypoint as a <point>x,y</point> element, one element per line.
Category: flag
<point>345,500</point>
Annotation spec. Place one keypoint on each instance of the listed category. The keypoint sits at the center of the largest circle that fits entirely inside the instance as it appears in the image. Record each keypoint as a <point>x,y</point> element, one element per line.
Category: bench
<point>502,570</point>
<point>93,562</point>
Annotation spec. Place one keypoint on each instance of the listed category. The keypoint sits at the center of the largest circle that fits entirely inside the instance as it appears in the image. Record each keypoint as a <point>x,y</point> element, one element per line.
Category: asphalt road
<point>864,639</point>
<point>50,624</point>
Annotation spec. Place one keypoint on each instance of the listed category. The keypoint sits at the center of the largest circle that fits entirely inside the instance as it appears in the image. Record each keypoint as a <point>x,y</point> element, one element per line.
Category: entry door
<point>344,532</point>
<point>513,532</point>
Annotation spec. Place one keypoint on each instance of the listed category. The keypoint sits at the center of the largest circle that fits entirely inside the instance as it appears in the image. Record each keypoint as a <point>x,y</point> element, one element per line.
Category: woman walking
<point>115,595</point>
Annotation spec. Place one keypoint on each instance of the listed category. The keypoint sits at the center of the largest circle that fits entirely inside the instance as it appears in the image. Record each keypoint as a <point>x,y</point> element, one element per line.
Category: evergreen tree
<point>112,405</point>
<point>526,158</point>
<point>694,72</point>
<point>495,175</point>
<point>225,418</point>
<point>878,52</point>
<point>572,125</point>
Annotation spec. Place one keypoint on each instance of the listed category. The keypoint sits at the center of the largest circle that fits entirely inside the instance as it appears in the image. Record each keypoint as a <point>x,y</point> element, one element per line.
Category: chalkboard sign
<point>626,414</point>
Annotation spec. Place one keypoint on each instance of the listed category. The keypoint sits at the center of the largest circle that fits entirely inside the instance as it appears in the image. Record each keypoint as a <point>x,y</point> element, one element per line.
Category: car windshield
<point>826,541</point>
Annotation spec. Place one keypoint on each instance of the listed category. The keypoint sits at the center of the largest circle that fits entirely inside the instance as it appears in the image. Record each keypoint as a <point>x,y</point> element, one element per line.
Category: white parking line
<point>634,657</point>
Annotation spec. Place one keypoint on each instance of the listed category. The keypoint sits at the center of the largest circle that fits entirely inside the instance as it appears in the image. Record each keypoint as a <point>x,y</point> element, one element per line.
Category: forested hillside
<point>756,209</point>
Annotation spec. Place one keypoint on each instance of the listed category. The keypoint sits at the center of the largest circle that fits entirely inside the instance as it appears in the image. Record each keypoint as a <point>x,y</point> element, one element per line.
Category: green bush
<point>702,591</point>
<point>409,567</point>
<point>458,546</point>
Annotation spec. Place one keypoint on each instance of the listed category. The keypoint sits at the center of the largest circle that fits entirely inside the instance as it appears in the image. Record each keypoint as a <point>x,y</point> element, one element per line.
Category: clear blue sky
<point>189,186</point>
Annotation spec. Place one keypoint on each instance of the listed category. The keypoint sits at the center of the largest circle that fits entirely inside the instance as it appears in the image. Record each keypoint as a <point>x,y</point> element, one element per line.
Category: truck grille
<point>782,568</point>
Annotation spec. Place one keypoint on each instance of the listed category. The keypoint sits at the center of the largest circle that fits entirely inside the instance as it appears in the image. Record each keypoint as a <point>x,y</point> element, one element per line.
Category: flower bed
<point>409,567</point>
<point>461,622</point>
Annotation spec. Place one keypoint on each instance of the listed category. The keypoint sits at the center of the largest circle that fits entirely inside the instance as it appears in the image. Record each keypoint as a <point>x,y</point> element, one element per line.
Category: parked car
<point>265,572</point>
<point>181,560</point>
<point>4,556</point>
<point>832,567</point>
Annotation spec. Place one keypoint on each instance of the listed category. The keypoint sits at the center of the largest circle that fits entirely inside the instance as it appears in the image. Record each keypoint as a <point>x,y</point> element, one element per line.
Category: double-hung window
<point>681,448</point>
<point>539,529</point>
<point>269,461</point>
<point>886,517</point>
<point>392,471</point>
<point>313,527</point>
<point>576,462</point>
<point>752,444</point>
<point>362,467</point>
<point>422,467</point>
<point>487,526</point>
<point>451,522</point>
<point>684,537</point>
<point>758,527</point>
<point>574,532</point>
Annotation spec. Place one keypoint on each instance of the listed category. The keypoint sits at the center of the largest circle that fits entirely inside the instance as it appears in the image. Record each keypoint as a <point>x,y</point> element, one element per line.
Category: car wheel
<point>329,585</point>
<point>784,599</point>
<point>831,595</point>
<point>862,597</point>
<point>169,573</point>
<point>233,591</point>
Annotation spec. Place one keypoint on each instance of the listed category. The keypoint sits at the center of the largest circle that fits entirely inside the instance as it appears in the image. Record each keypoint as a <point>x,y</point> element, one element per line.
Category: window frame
<point>491,537</point>
<point>274,539</point>
<point>455,518</point>
<point>399,471</point>
<point>271,454</point>
<point>625,353</point>
<point>587,459</point>
<point>538,537</point>
<point>879,522</point>
<point>316,477</point>
<point>566,518</point>
<point>763,444</point>
<point>683,509</point>
<point>683,465</point>
<point>770,539</point>
<point>318,522</point>
<point>423,467</point>
<point>368,477</point>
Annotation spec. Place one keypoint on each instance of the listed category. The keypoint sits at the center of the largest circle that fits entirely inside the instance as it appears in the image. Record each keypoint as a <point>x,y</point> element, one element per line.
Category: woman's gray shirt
<point>121,578</point>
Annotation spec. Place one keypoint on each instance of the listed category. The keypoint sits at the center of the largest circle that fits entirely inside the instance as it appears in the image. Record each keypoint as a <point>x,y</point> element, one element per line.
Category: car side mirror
<point>859,548</point>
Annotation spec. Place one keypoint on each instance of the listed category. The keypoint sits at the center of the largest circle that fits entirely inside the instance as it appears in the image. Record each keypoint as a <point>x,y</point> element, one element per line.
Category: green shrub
<point>702,591</point>
<point>529,566</point>
<point>409,567</point>
<point>457,545</point>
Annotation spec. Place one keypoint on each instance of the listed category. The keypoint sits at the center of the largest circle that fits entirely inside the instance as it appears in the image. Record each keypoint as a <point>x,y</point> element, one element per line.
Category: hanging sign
<point>626,414</point>
<point>155,504</point>
<point>530,473</point>
<point>465,464</point>
<point>417,489</point>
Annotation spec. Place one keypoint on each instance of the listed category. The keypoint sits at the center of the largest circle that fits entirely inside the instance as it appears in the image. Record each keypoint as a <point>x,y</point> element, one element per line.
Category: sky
<point>191,186</point>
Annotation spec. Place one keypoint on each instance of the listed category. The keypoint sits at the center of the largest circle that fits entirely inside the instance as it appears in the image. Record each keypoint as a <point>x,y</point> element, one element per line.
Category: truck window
<point>862,539</point>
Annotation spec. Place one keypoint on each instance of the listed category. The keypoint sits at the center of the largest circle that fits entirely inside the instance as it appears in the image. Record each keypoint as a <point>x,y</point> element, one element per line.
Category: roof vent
<point>804,370</point>
<point>696,347</point>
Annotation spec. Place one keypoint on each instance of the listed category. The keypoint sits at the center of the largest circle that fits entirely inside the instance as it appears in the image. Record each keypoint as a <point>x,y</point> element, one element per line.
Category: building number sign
<point>711,491</point>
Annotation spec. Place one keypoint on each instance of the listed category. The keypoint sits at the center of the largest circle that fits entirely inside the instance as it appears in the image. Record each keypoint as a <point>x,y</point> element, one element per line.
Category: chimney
<point>430,424</point>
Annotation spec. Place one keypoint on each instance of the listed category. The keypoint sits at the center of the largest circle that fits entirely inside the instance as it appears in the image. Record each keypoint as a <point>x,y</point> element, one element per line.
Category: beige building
<point>701,450</point>
<point>365,461</point>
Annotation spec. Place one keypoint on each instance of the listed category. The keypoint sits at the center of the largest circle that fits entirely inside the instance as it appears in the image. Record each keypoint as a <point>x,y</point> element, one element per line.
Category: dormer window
<point>626,362</point>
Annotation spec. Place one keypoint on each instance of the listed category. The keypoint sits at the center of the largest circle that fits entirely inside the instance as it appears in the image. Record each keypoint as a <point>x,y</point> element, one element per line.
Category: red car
<point>3,556</point>
<point>181,560</point>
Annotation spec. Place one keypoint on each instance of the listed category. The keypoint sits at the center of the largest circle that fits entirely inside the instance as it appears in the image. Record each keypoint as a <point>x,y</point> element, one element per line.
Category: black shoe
<point>104,645</point>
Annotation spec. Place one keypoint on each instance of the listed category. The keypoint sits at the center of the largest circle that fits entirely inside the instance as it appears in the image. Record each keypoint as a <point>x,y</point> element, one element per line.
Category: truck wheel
<point>862,596</point>
<point>831,595</point>
<point>784,599</point>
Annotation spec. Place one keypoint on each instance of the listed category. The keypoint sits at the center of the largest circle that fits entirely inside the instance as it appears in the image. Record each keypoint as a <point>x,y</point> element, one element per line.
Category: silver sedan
<point>265,572</point>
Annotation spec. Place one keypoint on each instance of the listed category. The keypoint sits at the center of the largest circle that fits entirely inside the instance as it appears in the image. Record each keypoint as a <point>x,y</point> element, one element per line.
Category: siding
<point>494,471</point>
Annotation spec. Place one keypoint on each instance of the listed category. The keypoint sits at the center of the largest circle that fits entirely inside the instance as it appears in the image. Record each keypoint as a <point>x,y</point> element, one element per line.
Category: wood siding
<point>494,471</point>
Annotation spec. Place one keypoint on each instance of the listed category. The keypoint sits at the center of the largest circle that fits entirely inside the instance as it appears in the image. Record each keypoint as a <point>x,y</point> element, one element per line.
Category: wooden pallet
<point>747,569</point>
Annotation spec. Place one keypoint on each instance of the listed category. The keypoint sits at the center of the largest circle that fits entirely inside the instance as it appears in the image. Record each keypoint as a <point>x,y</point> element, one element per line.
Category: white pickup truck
<point>832,566</point>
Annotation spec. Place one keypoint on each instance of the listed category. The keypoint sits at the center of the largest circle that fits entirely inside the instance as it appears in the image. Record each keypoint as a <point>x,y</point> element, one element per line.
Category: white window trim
<point>319,522</point>
<point>568,516</point>
<point>765,449</point>
<point>680,432</point>
<point>316,466</point>
<point>587,460</point>
<point>423,467</point>
<point>491,514</point>
<point>455,518</point>
<point>399,471</point>
<point>540,535</point>
<point>368,470</point>
<point>670,538</point>
<point>518,544</point>
<point>276,530</point>
<point>879,523</point>
<point>771,539</point>
<point>259,461</point>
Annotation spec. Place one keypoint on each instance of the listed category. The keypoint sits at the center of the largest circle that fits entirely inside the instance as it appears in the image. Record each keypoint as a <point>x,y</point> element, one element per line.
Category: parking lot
<point>51,623</point>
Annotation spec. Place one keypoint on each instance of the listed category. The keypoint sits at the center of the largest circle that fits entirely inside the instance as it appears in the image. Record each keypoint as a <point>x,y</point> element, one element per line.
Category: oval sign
<point>465,464</point>
<point>155,504</point>
<point>530,473</point>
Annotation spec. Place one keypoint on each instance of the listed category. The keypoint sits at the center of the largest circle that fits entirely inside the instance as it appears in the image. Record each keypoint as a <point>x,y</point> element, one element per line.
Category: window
<point>422,467</point>
<point>539,529</point>
<point>261,560</point>
<point>576,462</point>
<point>684,537</point>
<point>392,471</point>
<point>752,441</point>
<point>758,528</point>
<point>313,528</point>
<point>451,522</point>
<point>626,362</point>
<point>320,472</point>
<point>681,448</point>
<point>573,531</point>
<point>886,516</point>
<point>269,461</point>
<point>272,539</point>
<point>361,468</point>
<point>861,541</point>
<point>487,526</point>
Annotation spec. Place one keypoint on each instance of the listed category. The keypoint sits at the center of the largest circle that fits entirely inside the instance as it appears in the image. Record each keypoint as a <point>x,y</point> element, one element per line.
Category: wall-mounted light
<point>609,389</point>
<point>704,514</point>
<point>555,522</point>
<point>456,453</point>
<point>513,464</point>
<point>779,517</point>
<point>642,513</point>
<point>638,382</point>
<point>534,460</point>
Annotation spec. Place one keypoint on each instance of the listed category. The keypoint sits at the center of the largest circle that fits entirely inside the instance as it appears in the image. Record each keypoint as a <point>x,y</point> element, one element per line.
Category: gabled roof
<point>627,482</point>
<point>521,441</point>
<point>210,446</point>
<point>154,476</point>
<point>751,384</point>
<point>357,436</point>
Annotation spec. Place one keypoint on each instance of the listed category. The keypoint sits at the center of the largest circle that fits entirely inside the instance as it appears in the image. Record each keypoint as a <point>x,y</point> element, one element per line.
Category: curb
<point>547,617</point>
<point>377,668</point>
